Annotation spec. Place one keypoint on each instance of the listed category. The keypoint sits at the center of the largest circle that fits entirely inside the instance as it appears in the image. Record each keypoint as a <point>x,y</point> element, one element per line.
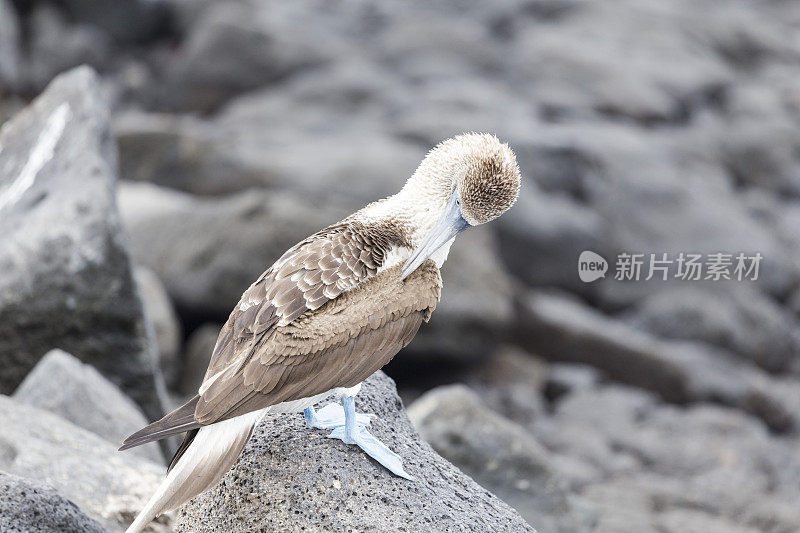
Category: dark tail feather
<point>178,421</point>
<point>187,441</point>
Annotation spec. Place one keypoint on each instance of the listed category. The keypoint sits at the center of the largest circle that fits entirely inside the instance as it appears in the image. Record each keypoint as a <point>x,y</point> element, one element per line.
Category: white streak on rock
<point>41,153</point>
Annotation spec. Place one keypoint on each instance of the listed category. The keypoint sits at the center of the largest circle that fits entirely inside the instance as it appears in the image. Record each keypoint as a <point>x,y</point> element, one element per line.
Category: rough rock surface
<point>499,454</point>
<point>28,506</point>
<point>65,275</point>
<point>78,393</point>
<point>108,485</point>
<point>294,479</point>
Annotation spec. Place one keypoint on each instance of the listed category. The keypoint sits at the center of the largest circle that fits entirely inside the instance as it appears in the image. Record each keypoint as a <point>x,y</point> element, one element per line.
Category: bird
<point>331,311</point>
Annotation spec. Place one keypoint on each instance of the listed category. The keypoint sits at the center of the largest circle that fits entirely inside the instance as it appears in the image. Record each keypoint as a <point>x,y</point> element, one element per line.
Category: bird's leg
<point>329,417</point>
<point>354,431</point>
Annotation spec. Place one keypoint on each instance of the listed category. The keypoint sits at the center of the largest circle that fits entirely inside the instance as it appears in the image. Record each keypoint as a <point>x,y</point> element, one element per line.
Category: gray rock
<point>566,378</point>
<point>124,20</point>
<point>9,48</point>
<point>197,356</point>
<point>497,453</point>
<point>108,485</point>
<point>328,484</point>
<point>207,252</point>
<point>739,319</point>
<point>660,460</point>
<point>65,275</point>
<point>178,153</point>
<point>234,48</point>
<point>27,505</point>
<point>577,73</point>
<point>160,313</point>
<point>563,329</point>
<point>542,236</point>
<point>344,171</point>
<point>76,392</point>
<point>511,381</point>
<point>56,45</point>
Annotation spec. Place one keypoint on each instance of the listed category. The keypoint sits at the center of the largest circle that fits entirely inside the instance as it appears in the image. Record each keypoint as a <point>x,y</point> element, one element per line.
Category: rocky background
<point>138,202</point>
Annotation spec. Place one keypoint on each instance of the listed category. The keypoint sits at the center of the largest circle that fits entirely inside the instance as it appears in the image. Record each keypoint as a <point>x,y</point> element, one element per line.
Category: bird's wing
<point>338,345</point>
<point>279,323</point>
<point>305,277</point>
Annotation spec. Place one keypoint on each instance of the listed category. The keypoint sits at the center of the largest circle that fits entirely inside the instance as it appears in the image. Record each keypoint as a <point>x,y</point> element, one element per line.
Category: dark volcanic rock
<point>27,506</point>
<point>293,479</point>
<point>207,251</point>
<point>564,329</point>
<point>108,485</point>
<point>76,392</point>
<point>234,49</point>
<point>65,275</point>
<point>178,152</point>
<point>56,45</point>
<point>124,20</point>
<point>497,453</point>
<point>740,319</point>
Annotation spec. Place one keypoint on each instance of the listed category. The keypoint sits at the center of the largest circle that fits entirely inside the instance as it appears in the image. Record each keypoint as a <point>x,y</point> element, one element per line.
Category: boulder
<point>563,329</point>
<point>234,48</point>
<point>208,251</point>
<point>694,465</point>
<point>577,73</point>
<point>161,314</point>
<point>179,153</point>
<point>356,160</point>
<point>108,485</point>
<point>739,319</point>
<point>294,479</point>
<point>499,454</point>
<point>510,381</point>
<point>127,21</point>
<point>28,505</point>
<point>55,45</point>
<point>65,274</point>
<point>76,392</point>
<point>542,236</point>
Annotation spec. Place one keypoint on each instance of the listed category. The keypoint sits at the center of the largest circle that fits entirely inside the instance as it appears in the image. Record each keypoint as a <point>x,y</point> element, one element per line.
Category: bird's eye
<point>458,201</point>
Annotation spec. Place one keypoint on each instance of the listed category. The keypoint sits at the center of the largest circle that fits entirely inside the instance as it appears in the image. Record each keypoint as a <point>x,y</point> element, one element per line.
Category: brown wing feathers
<point>339,345</point>
<point>320,318</point>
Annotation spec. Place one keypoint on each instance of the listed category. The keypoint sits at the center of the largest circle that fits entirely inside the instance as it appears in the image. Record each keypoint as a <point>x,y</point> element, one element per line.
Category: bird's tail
<point>199,466</point>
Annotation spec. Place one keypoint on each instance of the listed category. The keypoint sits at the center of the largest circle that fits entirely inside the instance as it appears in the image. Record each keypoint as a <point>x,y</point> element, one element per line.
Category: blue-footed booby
<point>331,311</point>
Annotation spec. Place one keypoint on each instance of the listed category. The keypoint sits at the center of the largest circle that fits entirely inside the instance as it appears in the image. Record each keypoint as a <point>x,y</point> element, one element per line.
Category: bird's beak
<point>450,224</point>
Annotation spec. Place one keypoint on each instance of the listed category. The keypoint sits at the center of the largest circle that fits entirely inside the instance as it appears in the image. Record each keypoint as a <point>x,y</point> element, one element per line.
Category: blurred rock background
<point>237,128</point>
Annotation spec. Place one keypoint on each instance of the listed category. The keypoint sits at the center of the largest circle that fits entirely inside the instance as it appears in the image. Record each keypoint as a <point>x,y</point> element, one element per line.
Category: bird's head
<point>479,178</point>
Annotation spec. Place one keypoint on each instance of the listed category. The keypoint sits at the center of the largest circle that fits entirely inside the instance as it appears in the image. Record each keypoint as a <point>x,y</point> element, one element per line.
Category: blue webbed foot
<point>331,416</point>
<point>354,431</point>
